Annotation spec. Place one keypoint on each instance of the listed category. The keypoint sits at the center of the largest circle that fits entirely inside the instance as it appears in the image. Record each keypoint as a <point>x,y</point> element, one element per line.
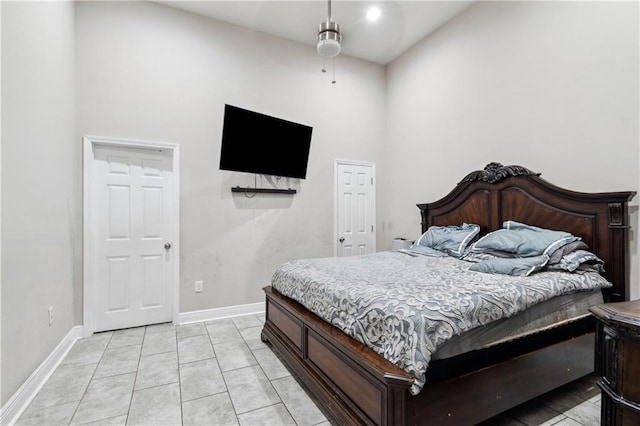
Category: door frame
<point>337,162</point>
<point>89,144</point>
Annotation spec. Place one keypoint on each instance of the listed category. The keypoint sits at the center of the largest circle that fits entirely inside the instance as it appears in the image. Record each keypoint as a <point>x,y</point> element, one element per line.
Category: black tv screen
<point>261,144</point>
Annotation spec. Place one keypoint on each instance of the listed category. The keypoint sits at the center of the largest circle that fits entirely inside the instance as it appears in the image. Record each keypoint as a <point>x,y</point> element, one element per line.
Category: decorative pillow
<point>578,260</point>
<point>523,240</point>
<point>557,255</point>
<point>517,266</point>
<point>585,267</point>
<point>452,240</point>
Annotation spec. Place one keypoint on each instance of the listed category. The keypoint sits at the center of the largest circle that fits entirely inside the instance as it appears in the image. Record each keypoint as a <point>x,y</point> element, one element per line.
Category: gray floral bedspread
<point>405,307</point>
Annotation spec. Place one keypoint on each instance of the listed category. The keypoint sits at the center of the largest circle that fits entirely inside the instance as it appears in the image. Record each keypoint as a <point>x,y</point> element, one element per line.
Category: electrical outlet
<point>198,286</point>
<point>50,315</point>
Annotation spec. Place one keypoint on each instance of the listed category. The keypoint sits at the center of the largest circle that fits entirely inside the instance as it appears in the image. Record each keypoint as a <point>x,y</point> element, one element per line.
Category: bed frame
<point>357,386</point>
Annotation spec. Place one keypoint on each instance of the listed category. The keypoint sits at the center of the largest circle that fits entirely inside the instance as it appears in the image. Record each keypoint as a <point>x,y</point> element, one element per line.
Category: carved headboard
<point>498,193</point>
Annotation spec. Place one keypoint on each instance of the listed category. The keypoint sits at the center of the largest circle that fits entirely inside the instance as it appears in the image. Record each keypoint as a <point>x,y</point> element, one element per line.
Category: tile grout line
<point>179,378</point>
<point>91,379</point>
<point>215,356</point>
<point>284,404</point>
<point>265,375</point>
<point>270,381</point>
<point>135,379</point>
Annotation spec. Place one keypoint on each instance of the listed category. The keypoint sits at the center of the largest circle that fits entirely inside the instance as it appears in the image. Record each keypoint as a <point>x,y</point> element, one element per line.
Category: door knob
<point>167,246</point>
<point>341,239</point>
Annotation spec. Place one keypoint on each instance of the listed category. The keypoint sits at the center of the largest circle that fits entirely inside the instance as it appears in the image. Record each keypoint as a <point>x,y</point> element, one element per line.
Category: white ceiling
<point>401,24</point>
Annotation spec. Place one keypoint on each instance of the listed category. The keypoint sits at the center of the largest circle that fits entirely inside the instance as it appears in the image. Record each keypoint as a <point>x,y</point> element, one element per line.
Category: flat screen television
<point>262,144</point>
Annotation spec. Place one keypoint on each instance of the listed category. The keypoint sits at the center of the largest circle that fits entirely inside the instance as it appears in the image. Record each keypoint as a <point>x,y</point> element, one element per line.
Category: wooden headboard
<point>498,193</point>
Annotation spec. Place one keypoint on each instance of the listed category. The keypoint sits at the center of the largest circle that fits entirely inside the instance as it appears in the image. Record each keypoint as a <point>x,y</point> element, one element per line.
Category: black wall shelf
<point>248,190</point>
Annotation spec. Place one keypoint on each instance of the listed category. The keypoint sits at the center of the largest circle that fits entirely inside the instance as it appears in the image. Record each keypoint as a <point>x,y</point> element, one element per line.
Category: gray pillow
<point>523,240</point>
<point>578,260</point>
<point>557,255</point>
<point>452,240</point>
<point>517,266</point>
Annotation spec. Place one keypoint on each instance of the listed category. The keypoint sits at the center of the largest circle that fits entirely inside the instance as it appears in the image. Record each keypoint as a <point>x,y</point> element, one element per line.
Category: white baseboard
<point>220,313</point>
<point>12,410</point>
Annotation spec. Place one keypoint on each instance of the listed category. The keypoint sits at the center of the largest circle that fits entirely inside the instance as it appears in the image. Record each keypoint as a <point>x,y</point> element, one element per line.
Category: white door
<point>131,205</point>
<point>355,208</point>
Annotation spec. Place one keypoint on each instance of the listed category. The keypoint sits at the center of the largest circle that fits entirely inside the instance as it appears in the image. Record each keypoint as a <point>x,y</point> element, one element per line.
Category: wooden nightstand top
<point>623,313</point>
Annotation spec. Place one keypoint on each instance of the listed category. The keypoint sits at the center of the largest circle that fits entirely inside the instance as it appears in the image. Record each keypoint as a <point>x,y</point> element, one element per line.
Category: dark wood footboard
<point>353,383</point>
<point>357,386</point>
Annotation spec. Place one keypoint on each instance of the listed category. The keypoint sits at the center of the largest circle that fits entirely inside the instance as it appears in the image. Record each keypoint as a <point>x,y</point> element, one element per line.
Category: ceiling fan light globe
<point>329,39</point>
<point>328,48</point>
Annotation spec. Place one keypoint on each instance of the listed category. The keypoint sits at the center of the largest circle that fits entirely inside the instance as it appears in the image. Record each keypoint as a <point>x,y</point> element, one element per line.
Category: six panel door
<point>355,209</point>
<point>131,211</point>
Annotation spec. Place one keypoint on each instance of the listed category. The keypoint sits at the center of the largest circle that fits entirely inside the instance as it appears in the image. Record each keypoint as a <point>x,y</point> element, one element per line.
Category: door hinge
<point>371,228</point>
<point>371,181</point>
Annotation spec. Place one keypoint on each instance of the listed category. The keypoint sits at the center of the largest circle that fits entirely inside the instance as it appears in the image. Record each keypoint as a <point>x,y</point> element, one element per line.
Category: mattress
<point>542,316</point>
<point>406,307</point>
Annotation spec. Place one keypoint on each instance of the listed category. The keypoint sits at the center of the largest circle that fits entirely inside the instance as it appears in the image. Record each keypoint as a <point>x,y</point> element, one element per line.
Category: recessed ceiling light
<point>373,14</point>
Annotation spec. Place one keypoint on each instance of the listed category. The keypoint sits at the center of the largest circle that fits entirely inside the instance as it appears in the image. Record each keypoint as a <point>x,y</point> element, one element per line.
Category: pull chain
<point>333,69</point>
<point>333,63</point>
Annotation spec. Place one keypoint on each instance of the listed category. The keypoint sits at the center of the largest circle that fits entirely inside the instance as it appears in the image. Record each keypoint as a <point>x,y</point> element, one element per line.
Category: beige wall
<point>41,184</point>
<point>552,86</point>
<point>150,72</point>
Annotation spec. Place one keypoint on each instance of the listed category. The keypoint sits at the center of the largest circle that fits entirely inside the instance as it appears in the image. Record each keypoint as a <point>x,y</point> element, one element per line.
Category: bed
<point>357,385</point>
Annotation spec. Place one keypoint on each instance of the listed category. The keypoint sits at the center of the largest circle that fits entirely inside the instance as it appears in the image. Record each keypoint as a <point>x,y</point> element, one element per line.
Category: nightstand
<point>617,361</point>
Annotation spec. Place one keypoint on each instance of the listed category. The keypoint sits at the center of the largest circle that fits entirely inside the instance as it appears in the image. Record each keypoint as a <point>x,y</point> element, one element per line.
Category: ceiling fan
<point>329,41</point>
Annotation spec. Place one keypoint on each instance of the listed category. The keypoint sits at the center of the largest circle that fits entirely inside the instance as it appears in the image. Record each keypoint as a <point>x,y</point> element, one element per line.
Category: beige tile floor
<point>216,373</point>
